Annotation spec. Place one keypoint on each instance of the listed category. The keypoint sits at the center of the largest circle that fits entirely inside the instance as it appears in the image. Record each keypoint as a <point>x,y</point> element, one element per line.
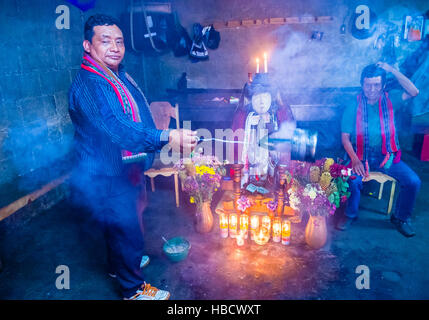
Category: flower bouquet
<point>318,187</point>
<point>200,177</point>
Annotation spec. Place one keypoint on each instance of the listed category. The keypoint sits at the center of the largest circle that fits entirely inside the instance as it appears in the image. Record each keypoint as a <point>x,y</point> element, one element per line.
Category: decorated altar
<point>262,214</point>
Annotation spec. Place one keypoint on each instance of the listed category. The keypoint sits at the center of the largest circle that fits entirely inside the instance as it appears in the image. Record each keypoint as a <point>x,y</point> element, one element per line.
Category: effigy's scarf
<point>390,145</point>
<point>127,101</point>
<point>254,156</point>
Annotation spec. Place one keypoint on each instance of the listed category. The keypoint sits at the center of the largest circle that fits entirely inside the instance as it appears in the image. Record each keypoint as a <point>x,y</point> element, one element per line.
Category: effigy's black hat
<point>261,83</point>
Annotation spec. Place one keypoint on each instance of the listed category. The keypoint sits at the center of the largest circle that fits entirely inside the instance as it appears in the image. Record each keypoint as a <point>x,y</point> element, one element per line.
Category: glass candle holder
<point>240,238</point>
<point>277,229</point>
<point>254,225</point>
<point>286,232</point>
<point>223,225</point>
<point>244,225</point>
<point>266,223</point>
<point>233,224</point>
<point>262,237</point>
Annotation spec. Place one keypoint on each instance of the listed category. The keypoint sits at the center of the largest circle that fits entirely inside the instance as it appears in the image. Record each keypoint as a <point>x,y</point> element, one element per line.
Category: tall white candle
<point>257,65</point>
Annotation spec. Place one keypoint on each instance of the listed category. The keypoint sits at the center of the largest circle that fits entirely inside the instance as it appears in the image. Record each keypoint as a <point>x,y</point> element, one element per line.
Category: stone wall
<point>38,62</point>
<point>295,61</point>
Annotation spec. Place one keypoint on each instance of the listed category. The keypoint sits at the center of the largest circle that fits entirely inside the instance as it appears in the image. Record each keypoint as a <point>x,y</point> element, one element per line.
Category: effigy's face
<point>261,102</point>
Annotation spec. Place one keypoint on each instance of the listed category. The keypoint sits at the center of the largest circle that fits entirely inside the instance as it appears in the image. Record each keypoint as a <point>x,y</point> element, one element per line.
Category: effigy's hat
<point>261,83</point>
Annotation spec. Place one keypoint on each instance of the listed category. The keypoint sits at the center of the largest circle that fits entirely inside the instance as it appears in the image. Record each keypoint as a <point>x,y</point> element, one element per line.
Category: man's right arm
<point>357,165</point>
<point>347,123</point>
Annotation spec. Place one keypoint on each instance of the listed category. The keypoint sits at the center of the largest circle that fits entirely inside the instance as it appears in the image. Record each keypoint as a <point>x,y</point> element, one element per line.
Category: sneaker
<point>150,293</point>
<point>344,223</point>
<point>404,227</point>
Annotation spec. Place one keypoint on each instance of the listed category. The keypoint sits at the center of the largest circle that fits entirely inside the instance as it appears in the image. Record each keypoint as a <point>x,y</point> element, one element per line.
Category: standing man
<point>369,136</point>
<point>114,132</point>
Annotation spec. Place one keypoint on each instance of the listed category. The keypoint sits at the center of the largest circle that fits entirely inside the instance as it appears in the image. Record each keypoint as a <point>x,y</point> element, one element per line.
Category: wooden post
<point>237,182</point>
<point>280,192</point>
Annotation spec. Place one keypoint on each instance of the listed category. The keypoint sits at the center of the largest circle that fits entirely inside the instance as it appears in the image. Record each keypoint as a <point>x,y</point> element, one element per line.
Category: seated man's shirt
<point>348,121</point>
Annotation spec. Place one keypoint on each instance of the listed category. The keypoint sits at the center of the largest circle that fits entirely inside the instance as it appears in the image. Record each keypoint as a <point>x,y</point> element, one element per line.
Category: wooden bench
<point>382,178</point>
<point>166,172</point>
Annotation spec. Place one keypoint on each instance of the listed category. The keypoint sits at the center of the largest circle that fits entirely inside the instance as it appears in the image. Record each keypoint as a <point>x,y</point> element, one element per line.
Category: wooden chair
<point>162,112</point>
<point>382,178</point>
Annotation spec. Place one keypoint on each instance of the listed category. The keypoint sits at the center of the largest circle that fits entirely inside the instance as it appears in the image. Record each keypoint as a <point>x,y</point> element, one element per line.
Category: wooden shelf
<point>249,23</point>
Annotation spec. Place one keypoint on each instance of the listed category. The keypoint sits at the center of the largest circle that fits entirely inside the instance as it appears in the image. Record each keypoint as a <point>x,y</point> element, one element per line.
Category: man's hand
<point>406,84</point>
<point>183,140</point>
<point>358,167</point>
<point>386,67</point>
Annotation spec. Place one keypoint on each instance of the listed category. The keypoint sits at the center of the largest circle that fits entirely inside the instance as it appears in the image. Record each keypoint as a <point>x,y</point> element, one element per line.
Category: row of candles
<point>237,226</point>
<point>265,63</point>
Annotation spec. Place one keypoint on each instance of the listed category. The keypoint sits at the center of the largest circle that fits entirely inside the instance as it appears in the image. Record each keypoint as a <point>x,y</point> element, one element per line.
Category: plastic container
<point>177,249</point>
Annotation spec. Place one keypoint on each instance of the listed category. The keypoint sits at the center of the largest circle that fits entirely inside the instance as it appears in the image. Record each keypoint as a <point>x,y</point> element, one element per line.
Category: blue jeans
<point>409,187</point>
<point>114,205</point>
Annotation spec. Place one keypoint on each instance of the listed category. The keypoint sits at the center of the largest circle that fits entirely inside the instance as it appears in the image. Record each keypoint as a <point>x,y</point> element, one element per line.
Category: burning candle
<point>286,232</point>
<point>265,63</point>
<point>266,223</point>
<point>277,229</point>
<point>262,236</point>
<point>254,224</point>
<point>223,224</point>
<point>233,225</point>
<point>240,238</point>
<point>244,225</point>
<point>257,65</point>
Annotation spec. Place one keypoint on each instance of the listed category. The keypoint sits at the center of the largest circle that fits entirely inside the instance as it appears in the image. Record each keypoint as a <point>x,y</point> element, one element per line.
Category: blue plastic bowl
<point>177,249</point>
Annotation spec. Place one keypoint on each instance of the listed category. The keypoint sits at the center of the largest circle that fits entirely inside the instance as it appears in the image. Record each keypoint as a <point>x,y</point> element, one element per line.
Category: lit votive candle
<point>223,224</point>
<point>266,223</point>
<point>254,225</point>
<point>233,223</point>
<point>244,225</point>
<point>277,229</point>
<point>262,237</point>
<point>286,232</point>
<point>240,238</point>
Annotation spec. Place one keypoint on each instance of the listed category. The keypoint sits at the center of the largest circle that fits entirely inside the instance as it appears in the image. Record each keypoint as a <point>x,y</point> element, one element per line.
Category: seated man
<point>371,125</point>
<point>260,113</point>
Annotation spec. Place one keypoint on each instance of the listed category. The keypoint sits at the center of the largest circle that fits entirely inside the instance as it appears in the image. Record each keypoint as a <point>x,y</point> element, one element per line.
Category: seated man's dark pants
<point>409,184</point>
<point>116,206</point>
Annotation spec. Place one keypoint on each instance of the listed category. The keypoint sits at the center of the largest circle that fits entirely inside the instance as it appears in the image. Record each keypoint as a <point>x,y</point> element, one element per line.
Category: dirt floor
<point>216,268</point>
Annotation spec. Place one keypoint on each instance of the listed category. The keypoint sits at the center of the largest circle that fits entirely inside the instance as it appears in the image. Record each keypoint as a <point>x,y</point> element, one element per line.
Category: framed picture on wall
<point>414,28</point>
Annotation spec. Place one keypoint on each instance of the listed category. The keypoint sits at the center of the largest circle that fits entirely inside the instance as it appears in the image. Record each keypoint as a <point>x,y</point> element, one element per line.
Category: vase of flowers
<point>315,232</point>
<point>201,178</point>
<point>203,217</point>
<point>315,200</point>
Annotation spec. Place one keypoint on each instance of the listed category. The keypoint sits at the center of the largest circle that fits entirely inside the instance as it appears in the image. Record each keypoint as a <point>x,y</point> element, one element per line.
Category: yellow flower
<point>192,200</point>
<point>204,169</point>
<point>328,163</point>
<point>325,180</point>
